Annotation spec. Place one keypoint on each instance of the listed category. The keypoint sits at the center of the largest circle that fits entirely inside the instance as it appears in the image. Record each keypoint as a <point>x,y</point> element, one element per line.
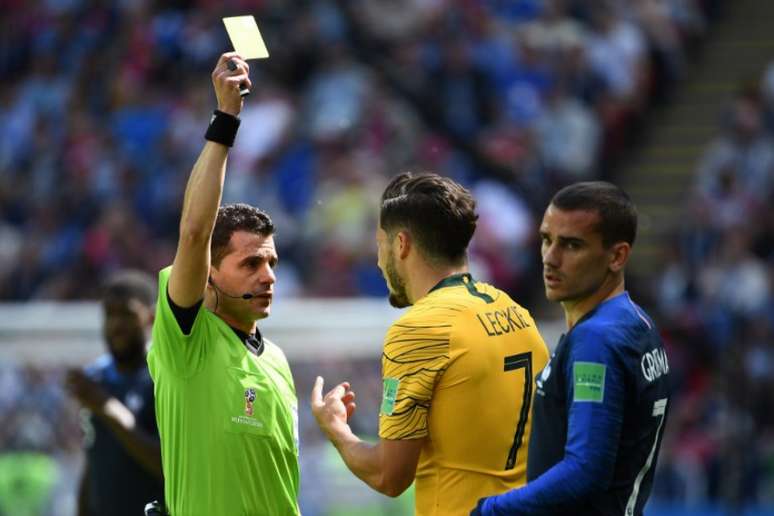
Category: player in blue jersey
<point>601,402</point>
<point>122,470</point>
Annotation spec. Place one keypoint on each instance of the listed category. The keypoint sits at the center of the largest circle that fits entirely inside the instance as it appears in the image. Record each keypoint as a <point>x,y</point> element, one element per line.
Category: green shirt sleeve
<point>172,350</point>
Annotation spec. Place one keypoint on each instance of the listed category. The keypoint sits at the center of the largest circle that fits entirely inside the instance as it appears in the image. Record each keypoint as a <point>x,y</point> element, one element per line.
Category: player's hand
<point>334,409</point>
<point>226,82</point>
<point>87,392</point>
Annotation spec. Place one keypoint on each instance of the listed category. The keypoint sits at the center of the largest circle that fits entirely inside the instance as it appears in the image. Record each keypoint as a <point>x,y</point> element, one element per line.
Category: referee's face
<point>247,269</point>
<point>575,261</point>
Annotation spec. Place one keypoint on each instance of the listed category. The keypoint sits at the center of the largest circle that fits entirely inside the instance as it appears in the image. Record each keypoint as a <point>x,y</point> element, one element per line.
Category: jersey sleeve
<point>596,384</point>
<point>416,353</point>
<point>596,389</point>
<point>171,349</point>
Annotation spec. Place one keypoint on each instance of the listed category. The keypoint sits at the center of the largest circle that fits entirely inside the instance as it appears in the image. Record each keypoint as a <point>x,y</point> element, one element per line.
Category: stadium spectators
<point>100,114</point>
<point>716,303</point>
<point>40,442</point>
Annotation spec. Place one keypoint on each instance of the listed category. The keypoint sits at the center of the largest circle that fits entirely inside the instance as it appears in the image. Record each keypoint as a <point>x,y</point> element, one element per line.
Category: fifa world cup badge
<point>249,399</point>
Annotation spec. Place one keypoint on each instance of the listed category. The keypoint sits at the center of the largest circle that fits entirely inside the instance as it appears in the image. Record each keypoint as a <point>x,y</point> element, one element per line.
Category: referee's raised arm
<point>188,278</point>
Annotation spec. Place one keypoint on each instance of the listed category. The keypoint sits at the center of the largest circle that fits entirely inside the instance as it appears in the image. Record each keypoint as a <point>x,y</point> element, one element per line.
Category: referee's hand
<point>226,80</point>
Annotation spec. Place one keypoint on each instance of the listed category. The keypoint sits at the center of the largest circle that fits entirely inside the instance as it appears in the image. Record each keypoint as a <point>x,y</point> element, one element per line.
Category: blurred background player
<point>123,454</point>
<point>225,397</point>
<point>601,403</point>
<point>458,366</point>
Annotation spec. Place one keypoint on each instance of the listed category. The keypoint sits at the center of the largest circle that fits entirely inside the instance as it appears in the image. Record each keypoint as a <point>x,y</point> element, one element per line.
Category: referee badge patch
<point>589,381</point>
<point>249,400</point>
<point>389,395</point>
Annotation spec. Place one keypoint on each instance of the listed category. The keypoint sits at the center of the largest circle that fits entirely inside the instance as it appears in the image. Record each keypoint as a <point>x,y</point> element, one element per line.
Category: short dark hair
<point>617,213</point>
<point>237,217</point>
<point>436,211</point>
<point>130,284</point>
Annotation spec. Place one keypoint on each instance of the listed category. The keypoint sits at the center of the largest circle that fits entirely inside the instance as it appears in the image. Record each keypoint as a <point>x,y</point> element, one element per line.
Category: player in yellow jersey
<point>458,366</point>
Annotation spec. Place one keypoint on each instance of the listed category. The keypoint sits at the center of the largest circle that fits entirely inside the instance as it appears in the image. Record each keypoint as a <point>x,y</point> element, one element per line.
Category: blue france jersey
<point>599,413</point>
<point>117,484</point>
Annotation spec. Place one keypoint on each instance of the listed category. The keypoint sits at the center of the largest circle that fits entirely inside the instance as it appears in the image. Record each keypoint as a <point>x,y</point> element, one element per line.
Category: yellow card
<point>245,36</point>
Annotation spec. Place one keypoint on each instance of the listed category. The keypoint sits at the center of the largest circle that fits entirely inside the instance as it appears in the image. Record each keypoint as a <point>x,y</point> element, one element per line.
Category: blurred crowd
<point>715,298</point>
<point>40,442</point>
<point>104,105</point>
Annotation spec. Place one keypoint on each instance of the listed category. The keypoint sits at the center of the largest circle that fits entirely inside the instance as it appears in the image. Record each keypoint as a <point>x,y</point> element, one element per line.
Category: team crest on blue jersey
<point>249,400</point>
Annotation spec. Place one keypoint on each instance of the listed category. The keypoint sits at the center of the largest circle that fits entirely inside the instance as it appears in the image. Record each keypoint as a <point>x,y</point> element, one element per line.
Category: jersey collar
<point>253,342</point>
<point>455,280</point>
<point>594,310</point>
<point>462,279</point>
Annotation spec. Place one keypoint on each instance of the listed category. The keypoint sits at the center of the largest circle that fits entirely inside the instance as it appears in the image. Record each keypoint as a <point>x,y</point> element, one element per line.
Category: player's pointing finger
<point>317,389</point>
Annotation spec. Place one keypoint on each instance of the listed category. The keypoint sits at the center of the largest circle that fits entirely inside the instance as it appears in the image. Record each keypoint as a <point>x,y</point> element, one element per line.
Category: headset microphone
<point>245,296</point>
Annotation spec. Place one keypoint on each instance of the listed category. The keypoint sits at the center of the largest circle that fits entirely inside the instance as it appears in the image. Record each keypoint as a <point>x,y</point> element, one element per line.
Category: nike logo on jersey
<point>654,364</point>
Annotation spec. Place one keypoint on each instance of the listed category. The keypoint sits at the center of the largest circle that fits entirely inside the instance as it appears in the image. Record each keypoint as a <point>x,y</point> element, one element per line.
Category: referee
<point>225,400</point>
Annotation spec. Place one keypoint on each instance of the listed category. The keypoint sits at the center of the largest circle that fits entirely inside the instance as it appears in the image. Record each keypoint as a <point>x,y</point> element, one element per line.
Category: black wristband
<point>223,128</point>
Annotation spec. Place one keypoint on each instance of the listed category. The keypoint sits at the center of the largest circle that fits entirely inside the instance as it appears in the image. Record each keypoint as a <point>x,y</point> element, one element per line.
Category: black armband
<point>223,128</point>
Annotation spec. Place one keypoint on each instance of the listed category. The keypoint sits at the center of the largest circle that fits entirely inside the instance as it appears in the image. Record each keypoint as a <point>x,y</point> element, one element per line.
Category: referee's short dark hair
<point>436,211</point>
<point>617,213</point>
<point>237,217</point>
<point>130,284</point>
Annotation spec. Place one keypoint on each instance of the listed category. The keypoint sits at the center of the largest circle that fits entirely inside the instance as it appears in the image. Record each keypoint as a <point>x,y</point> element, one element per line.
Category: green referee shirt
<point>228,419</point>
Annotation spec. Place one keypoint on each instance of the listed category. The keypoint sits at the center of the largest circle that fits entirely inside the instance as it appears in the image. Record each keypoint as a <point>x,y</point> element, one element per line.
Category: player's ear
<point>403,244</point>
<point>619,255</point>
<point>210,281</point>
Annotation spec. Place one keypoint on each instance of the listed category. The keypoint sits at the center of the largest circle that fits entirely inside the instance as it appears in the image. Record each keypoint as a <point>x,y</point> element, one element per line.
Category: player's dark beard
<point>398,297</point>
<point>130,354</point>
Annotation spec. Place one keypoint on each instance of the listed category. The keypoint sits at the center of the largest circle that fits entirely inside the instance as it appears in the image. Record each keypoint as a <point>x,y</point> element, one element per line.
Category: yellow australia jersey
<point>459,369</point>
